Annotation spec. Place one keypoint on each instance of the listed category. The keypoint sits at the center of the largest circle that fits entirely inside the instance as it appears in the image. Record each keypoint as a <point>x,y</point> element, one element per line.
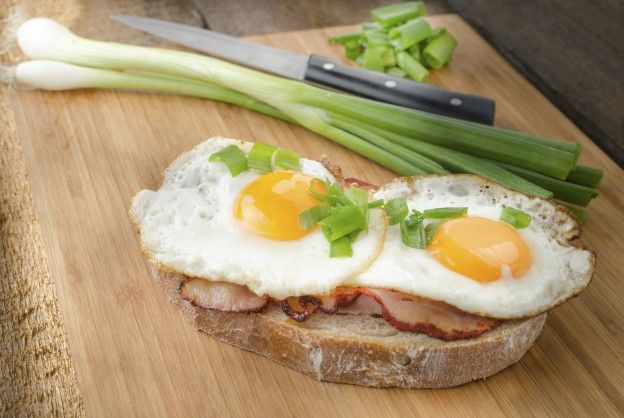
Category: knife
<point>320,70</point>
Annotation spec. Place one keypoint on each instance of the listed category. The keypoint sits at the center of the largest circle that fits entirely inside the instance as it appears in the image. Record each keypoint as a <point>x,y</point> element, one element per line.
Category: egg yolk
<point>271,204</point>
<point>480,248</point>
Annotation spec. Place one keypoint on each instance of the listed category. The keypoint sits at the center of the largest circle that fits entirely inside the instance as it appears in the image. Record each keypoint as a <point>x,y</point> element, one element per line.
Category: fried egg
<point>203,222</point>
<point>476,262</point>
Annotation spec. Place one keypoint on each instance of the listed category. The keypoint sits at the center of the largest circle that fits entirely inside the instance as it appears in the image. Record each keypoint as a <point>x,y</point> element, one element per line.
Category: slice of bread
<point>360,349</point>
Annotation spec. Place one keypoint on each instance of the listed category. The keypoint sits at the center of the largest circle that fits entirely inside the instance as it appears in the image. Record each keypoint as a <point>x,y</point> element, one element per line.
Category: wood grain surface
<point>89,152</point>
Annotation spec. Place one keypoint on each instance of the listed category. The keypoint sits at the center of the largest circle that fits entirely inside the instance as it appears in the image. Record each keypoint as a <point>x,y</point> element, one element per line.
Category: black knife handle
<point>399,91</point>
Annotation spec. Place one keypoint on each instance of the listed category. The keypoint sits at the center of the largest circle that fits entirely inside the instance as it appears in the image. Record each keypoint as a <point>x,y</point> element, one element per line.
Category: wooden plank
<point>89,152</point>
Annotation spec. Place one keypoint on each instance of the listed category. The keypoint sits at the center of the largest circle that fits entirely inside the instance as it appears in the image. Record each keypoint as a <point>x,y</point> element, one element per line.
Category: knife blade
<point>320,70</point>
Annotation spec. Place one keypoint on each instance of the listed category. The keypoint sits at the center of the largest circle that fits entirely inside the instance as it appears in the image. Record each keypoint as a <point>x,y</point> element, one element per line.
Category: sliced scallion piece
<point>396,72</point>
<point>312,216</point>
<point>439,50</point>
<point>444,213</point>
<point>359,198</point>
<point>413,68</point>
<point>233,157</point>
<point>261,156</point>
<point>515,217</point>
<point>410,33</point>
<point>395,14</point>
<point>343,221</point>
<point>373,59</point>
<point>396,210</point>
<point>413,231</point>
<point>285,158</point>
<point>341,247</point>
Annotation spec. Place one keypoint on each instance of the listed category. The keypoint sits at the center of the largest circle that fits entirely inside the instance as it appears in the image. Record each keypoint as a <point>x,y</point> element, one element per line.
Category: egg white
<point>188,226</point>
<point>558,270</point>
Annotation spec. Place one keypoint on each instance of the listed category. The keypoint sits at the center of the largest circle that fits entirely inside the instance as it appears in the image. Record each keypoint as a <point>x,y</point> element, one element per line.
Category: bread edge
<point>366,361</point>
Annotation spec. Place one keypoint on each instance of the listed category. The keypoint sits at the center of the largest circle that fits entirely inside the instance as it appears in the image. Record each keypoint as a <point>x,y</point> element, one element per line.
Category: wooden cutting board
<point>89,152</point>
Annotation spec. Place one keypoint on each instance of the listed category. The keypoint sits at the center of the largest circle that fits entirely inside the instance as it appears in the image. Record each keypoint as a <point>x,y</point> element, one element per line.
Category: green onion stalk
<point>406,141</point>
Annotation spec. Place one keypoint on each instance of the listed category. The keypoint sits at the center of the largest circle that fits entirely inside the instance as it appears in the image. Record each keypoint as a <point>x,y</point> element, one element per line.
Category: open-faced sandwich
<point>428,281</point>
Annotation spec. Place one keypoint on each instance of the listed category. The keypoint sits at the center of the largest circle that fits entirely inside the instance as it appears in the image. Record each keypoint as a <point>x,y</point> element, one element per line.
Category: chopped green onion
<point>343,221</point>
<point>585,176</point>
<point>410,33</point>
<point>415,53</point>
<point>439,50</point>
<point>373,58</point>
<point>352,53</point>
<point>343,39</point>
<point>444,213</point>
<point>376,204</point>
<point>413,231</point>
<point>314,215</point>
<point>261,156</point>
<point>375,38</point>
<point>341,247</point>
<point>413,68</point>
<point>396,72</point>
<point>359,198</point>
<point>317,189</point>
<point>515,217</point>
<point>285,158</point>
<point>388,58</point>
<point>233,157</point>
<point>431,228</point>
<point>395,14</point>
<point>396,210</point>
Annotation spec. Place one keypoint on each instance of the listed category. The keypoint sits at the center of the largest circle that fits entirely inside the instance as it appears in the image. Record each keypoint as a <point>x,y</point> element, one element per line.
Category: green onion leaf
<point>261,156</point>
<point>376,204</point>
<point>310,217</point>
<point>439,50</point>
<point>442,213</point>
<point>233,157</point>
<point>373,58</point>
<point>285,158</point>
<point>341,247</point>
<point>396,209</point>
<point>343,221</point>
<point>395,14</point>
<point>515,217</point>
<point>585,176</point>
<point>413,231</point>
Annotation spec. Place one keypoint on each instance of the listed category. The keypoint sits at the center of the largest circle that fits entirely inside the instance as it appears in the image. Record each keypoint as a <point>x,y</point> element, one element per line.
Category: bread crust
<point>358,349</point>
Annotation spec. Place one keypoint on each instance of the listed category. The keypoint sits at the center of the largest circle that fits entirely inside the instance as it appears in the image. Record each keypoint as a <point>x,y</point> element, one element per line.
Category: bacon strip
<point>222,296</point>
<point>403,312</point>
<point>426,316</point>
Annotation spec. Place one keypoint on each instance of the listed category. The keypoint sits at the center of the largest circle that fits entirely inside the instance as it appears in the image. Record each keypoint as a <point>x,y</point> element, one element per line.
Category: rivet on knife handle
<point>398,91</point>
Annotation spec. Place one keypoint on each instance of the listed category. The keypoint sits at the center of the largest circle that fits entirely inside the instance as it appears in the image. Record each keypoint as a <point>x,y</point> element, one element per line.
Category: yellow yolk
<point>271,204</point>
<point>479,248</point>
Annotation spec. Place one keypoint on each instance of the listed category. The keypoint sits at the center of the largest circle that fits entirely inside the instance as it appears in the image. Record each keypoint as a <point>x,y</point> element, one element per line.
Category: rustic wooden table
<point>35,337</point>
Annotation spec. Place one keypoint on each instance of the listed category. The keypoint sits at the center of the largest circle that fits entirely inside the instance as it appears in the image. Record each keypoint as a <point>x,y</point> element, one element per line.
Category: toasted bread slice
<point>359,349</point>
